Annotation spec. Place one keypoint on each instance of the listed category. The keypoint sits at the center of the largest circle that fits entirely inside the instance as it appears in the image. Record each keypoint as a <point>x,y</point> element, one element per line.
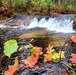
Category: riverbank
<point>11,8</point>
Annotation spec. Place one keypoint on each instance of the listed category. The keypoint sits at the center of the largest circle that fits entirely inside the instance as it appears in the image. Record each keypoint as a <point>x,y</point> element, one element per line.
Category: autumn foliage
<point>48,54</point>
<point>73,59</point>
<point>73,38</point>
<point>33,58</point>
<point>11,70</point>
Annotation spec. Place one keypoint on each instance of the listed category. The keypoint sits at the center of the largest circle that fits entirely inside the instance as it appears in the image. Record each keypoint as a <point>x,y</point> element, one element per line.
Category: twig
<point>61,49</point>
<point>67,66</point>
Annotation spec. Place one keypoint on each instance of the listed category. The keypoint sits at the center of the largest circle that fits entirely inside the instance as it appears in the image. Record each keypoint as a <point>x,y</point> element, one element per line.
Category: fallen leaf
<point>16,61</point>
<point>55,56</point>
<point>61,53</point>
<point>51,54</point>
<point>30,61</point>
<point>34,56</point>
<point>73,59</point>
<point>73,38</point>
<point>12,68</point>
<point>36,50</point>
<point>47,57</point>
<point>28,46</point>
<point>48,54</point>
<point>10,47</point>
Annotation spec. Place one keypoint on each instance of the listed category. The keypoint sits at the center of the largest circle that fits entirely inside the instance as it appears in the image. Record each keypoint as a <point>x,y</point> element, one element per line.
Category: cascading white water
<point>60,23</point>
<point>53,24</point>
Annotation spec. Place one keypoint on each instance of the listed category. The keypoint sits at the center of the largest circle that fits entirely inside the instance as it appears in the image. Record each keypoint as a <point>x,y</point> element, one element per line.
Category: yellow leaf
<point>62,54</point>
<point>16,61</point>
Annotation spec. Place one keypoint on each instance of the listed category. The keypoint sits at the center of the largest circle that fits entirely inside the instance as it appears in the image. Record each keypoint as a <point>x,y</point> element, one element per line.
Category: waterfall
<point>59,23</point>
<point>62,23</point>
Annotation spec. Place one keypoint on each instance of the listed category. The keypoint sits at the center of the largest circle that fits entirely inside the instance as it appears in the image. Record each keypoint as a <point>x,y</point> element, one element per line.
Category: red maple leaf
<point>32,60</point>
<point>73,59</point>
<point>73,38</point>
<point>11,70</point>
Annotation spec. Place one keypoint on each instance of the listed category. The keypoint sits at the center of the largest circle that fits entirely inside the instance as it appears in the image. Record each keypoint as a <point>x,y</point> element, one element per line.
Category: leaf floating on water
<point>10,47</point>
<point>73,59</point>
<point>73,38</point>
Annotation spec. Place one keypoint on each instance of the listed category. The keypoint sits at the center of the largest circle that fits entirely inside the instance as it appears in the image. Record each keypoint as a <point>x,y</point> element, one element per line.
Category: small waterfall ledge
<point>57,23</point>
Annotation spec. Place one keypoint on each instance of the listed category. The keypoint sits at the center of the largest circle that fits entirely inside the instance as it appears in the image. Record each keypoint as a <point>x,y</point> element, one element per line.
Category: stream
<point>54,28</point>
<point>44,30</point>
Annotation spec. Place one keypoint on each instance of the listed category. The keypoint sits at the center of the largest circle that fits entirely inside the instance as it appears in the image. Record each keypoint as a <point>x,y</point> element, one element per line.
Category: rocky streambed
<point>38,37</point>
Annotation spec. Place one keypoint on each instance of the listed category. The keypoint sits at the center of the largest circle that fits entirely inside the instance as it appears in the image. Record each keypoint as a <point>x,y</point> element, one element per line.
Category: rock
<point>17,23</point>
<point>74,24</point>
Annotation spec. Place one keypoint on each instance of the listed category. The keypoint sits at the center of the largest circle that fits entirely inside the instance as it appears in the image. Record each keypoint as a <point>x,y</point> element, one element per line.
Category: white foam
<point>53,24</point>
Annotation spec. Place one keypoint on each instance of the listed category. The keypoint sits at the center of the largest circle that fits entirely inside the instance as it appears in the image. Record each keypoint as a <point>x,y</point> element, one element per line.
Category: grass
<point>44,7</point>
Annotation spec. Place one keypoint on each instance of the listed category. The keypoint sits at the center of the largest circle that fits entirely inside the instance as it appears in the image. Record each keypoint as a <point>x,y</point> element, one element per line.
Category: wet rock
<point>17,23</point>
<point>74,24</point>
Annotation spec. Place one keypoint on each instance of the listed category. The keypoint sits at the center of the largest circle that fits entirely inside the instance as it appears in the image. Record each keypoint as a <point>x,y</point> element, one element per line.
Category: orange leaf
<point>73,38</point>
<point>11,70</point>
<point>73,59</point>
<point>48,55</point>
<point>30,61</point>
<point>36,50</point>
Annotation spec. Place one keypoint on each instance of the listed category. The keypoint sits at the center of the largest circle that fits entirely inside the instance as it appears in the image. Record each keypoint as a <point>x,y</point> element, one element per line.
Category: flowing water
<point>54,29</point>
<point>60,23</point>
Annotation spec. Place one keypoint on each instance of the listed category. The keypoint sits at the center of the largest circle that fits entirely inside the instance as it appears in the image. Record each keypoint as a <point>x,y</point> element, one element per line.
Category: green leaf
<point>10,47</point>
<point>28,46</point>
<point>70,64</point>
<point>55,56</point>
